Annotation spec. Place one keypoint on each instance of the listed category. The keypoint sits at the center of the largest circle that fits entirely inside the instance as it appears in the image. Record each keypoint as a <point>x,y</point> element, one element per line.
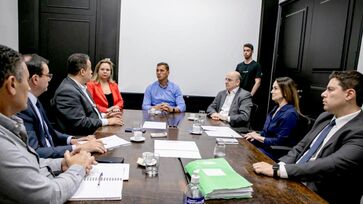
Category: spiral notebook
<point>103,183</point>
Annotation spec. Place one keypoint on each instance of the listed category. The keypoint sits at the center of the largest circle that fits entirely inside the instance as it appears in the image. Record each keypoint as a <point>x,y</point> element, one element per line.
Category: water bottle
<point>192,194</point>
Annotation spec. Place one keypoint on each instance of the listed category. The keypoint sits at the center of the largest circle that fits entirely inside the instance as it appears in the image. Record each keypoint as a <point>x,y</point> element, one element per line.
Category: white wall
<point>360,61</point>
<point>201,40</point>
<point>9,23</point>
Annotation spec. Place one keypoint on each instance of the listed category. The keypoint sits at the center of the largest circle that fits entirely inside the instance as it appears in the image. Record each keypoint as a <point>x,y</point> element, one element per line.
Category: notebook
<point>103,183</point>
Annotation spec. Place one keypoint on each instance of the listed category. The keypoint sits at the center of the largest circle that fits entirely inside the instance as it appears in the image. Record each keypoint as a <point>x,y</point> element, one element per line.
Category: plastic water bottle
<point>192,194</point>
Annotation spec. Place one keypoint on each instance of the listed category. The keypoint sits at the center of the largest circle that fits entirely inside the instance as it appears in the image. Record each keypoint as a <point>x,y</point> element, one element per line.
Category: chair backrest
<point>303,126</point>
<point>252,115</point>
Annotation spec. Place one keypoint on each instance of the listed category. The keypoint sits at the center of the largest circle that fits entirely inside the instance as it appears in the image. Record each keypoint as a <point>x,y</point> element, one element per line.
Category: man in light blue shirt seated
<point>163,95</point>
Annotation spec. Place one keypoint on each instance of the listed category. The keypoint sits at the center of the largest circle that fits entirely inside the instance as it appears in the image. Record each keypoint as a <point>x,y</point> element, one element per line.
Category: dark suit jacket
<point>338,169</point>
<point>240,109</point>
<point>36,134</point>
<point>73,112</point>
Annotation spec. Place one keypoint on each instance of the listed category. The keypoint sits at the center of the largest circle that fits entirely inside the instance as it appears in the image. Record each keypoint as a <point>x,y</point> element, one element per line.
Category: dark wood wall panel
<point>329,24</point>
<point>70,26</point>
<point>107,32</point>
<point>81,7</point>
<point>293,41</point>
<point>62,35</point>
<point>28,12</point>
<point>329,40</point>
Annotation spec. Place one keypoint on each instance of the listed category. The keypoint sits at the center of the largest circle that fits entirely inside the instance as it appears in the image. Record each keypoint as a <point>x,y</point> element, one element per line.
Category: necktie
<point>45,127</point>
<point>306,157</point>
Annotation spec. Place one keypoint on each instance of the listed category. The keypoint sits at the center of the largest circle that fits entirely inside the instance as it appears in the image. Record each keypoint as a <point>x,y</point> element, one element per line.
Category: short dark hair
<point>35,64</point>
<point>163,64</point>
<point>249,45</point>
<point>350,80</point>
<point>76,62</point>
<point>10,61</point>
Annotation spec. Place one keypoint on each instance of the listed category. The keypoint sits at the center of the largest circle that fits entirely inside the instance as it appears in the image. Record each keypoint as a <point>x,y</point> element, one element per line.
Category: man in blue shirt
<point>163,95</point>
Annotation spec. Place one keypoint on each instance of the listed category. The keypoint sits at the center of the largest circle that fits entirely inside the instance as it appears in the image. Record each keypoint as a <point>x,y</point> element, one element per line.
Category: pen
<point>100,178</point>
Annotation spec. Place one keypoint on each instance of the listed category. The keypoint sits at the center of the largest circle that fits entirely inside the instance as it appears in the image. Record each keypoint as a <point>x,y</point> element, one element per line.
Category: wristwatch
<point>275,168</point>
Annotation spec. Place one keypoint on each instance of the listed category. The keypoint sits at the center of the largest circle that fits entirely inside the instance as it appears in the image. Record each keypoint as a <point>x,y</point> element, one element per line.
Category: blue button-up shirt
<point>156,94</point>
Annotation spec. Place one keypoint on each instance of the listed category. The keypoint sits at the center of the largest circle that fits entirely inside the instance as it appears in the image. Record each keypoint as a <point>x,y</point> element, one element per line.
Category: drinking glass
<point>202,117</point>
<point>219,150</point>
<point>151,161</point>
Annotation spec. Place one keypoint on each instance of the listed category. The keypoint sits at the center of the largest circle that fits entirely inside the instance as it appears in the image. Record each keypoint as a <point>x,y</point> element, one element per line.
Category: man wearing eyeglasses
<point>46,141</point>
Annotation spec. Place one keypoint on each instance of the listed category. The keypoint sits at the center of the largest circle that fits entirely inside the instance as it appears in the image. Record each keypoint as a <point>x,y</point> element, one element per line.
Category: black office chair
<point>303,126</point>
<point>252,115</point>
<point>248,127</point>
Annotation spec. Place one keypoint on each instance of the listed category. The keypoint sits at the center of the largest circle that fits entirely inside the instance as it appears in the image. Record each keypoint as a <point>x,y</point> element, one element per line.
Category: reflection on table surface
<point>169,185</point>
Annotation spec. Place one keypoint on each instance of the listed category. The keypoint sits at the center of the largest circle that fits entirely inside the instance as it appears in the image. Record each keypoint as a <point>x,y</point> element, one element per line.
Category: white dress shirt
<point>227,103</point>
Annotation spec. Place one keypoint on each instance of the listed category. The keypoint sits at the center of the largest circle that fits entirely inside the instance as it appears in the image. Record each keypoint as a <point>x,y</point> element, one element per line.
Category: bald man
<point>232,105</point>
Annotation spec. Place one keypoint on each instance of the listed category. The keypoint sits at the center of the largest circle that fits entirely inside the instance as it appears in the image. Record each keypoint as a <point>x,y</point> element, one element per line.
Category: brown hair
<point>95,76</point>
<point>289,91</point>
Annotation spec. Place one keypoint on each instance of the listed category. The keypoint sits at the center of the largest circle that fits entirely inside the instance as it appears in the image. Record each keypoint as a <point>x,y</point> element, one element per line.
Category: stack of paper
<point>103,183</point>
<point>218,180</point>
<point>154,125</point>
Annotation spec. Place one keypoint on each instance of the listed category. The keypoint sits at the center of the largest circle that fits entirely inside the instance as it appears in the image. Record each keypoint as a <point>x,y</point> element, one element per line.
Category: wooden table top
<point>169,185</point>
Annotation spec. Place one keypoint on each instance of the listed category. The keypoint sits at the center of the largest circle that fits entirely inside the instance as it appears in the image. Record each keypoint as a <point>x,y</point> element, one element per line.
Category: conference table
<point>169,185</point>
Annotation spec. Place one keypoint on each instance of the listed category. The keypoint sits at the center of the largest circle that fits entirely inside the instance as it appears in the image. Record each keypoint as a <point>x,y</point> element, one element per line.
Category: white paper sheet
<point>154,125</point>
<point>178,149</point>
<point>217,131</point>
<point>111,142</point>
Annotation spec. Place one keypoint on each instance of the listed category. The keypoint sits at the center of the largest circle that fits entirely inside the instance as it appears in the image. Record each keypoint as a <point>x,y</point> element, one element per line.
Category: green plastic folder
<point>218,180</point>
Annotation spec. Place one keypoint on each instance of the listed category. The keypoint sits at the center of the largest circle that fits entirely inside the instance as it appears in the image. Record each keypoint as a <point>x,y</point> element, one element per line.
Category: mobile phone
<point>130,130</point>
<point>107,159</point>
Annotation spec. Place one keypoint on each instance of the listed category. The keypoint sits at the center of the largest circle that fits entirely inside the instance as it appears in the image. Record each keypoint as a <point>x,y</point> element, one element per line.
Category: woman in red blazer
<point>103,89</point>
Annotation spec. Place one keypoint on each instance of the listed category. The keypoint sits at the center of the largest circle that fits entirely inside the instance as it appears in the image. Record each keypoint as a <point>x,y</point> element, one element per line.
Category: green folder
<point>218,180</point>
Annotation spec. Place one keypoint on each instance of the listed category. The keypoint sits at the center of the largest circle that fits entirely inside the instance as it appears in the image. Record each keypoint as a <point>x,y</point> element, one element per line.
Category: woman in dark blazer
<point>281,120</point>
<point>103,89</point>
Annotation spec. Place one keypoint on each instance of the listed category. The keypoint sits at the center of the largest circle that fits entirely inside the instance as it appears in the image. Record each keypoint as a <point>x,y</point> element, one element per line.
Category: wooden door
<point>57,28</point>
<point>316,37</point>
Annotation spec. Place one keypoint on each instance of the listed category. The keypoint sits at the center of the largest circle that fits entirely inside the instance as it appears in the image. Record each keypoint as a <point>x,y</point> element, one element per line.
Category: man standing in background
<point>250,71</point>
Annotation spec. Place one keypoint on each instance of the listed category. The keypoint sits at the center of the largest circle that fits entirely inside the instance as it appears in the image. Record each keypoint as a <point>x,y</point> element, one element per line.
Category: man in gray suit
<point>232,105</point>
<point>329,160</point>
<point>76,112</point>
<point>24,177</point>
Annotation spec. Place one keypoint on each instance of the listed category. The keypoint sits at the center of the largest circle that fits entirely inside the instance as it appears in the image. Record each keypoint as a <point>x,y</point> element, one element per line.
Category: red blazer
<point>99,97</point>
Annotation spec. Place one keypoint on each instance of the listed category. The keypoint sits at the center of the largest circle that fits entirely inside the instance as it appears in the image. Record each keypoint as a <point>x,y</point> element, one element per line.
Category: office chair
<point>303,126</point>
<point>248,127</point>
<point>252,116</point>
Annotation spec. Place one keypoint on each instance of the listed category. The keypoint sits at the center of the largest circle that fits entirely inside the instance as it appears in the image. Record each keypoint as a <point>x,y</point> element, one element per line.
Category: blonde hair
<point>96,77</point>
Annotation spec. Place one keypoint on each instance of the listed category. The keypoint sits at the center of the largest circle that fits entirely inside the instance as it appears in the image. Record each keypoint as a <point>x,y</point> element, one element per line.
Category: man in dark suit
<point>329,160</point>
<point>76,112</point>
<point>46,141</point>
<point>232,105</point>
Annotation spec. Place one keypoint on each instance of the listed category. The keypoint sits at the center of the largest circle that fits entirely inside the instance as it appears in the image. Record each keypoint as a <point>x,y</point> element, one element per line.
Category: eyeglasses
<point>49,75</point>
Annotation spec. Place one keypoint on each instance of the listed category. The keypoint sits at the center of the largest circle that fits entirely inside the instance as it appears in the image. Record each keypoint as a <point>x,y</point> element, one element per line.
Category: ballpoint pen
<point>100,178</point>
